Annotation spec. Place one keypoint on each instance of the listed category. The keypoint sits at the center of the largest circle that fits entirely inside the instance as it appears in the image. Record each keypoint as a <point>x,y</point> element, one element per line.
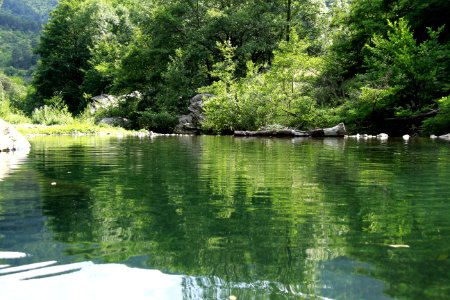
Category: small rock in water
<point>406,137</point>
<point>383,136</point>
<point>232,297</point>
<point>53,183</point>
<point>399,246</point>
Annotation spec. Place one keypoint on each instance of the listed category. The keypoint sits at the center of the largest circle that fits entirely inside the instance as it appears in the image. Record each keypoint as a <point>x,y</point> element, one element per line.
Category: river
<point>208,217</point>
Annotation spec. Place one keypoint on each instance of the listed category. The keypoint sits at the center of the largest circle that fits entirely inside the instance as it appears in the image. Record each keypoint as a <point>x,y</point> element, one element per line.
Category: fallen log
<point>336,131</point>
<point>274,133</point>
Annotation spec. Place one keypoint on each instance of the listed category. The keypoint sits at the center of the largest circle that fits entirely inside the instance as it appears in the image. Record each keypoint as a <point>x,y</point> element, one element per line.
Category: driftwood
<point>336,131</point>
<point>276,133</point>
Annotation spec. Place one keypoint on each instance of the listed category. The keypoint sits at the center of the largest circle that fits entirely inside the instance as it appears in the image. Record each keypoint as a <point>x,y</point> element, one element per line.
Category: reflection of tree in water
<point>22,224</point>
<point>18,202</point>
<point>183,206</point>
<point>270,207</point>
<point>388,205</point>
<point>65,173</point>
<point>244,211</point>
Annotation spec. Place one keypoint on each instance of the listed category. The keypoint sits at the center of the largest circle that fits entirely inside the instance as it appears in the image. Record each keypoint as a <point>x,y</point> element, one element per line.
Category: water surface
<point>209,217</point>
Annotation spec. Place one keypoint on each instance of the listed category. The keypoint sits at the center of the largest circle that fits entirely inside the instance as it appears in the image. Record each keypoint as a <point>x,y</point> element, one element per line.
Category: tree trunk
<point>288,20</point>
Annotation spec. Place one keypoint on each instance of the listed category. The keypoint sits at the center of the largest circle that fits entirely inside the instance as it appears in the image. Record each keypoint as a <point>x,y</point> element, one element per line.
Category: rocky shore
<point>11,139</point>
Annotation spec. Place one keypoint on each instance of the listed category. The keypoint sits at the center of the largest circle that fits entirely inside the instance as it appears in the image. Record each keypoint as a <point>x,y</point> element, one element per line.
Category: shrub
<point>55,113</point>
<point>161,122</point>
<point>440,124</point>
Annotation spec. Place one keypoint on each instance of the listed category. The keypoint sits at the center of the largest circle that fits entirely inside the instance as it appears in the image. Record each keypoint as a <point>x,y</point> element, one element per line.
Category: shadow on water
<point>258,218</point>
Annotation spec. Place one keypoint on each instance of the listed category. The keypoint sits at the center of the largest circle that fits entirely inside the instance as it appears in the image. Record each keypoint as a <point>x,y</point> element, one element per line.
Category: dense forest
<point>20,24</point>
<point>377,65</point>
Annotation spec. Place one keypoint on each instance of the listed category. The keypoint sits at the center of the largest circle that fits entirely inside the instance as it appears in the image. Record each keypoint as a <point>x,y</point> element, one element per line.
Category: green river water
<point>209,217</point>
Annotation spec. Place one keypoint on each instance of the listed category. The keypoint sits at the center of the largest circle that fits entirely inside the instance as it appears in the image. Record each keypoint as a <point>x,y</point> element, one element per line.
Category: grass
<point>55,119</point>
<point>73,129</point>
<point>16,118</point>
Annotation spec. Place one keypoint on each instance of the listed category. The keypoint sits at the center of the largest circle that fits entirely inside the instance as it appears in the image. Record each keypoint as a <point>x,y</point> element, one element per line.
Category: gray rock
<point>338,130</point>
<point>106,101</point>
<point>103,102</point>
<point>192,122</point>
<point>445,137</point>
<point>135,95</point>
<point>115,121</point>
<point>11,139</point>
<point>335,131</point>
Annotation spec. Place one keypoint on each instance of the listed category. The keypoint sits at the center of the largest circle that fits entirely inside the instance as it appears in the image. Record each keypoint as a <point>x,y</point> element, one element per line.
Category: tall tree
<point>64,52</point>
<point>70,47</point>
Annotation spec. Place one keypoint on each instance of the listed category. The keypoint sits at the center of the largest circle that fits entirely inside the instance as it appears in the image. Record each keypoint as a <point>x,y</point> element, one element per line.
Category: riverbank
<point>77,129</point>
<point>87,128</point>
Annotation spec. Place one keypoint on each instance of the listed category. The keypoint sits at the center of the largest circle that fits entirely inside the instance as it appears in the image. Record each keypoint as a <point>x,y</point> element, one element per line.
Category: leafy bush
<point>55,113</point>
<point>280,94</point>
<point>11,114</point>
<point>403,76</point>
<point>440,124</point>
<point>17,118</point>
<point>161,122</point>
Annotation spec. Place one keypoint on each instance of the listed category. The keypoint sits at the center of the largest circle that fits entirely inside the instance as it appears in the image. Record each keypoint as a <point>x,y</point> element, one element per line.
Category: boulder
<point>335,131</point>
<point>196,108</point>
<point>445,137</point>
<point>103,101</point>
<point>11,139</point>
<point>382,136</point>
<point>191,123</point>
<point>115,121</point>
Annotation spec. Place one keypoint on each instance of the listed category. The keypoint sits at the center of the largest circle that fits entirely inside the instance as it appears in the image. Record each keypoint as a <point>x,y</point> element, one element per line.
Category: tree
<point>64,52</point>
<point>108,47</point>
<point>78,46</point>
<point>412,72</point>
<point>280,94</point>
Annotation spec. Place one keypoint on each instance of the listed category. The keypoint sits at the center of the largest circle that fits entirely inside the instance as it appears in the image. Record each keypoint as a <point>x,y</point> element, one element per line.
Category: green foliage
<point>402,79</point>
<point>16,51</point>
<point>168,53</point>
<point>20,24</point>
<point>295,63</point>
<point>280,95</point>
<point>161,122</point>
<point>54,113</point>
<point>79,50</point>
<point>223,110</point>
<point>440,124</point>
<point>35,10</point>
<point>13,93</point>
<point>77,127</point>
<point>413,71</point>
